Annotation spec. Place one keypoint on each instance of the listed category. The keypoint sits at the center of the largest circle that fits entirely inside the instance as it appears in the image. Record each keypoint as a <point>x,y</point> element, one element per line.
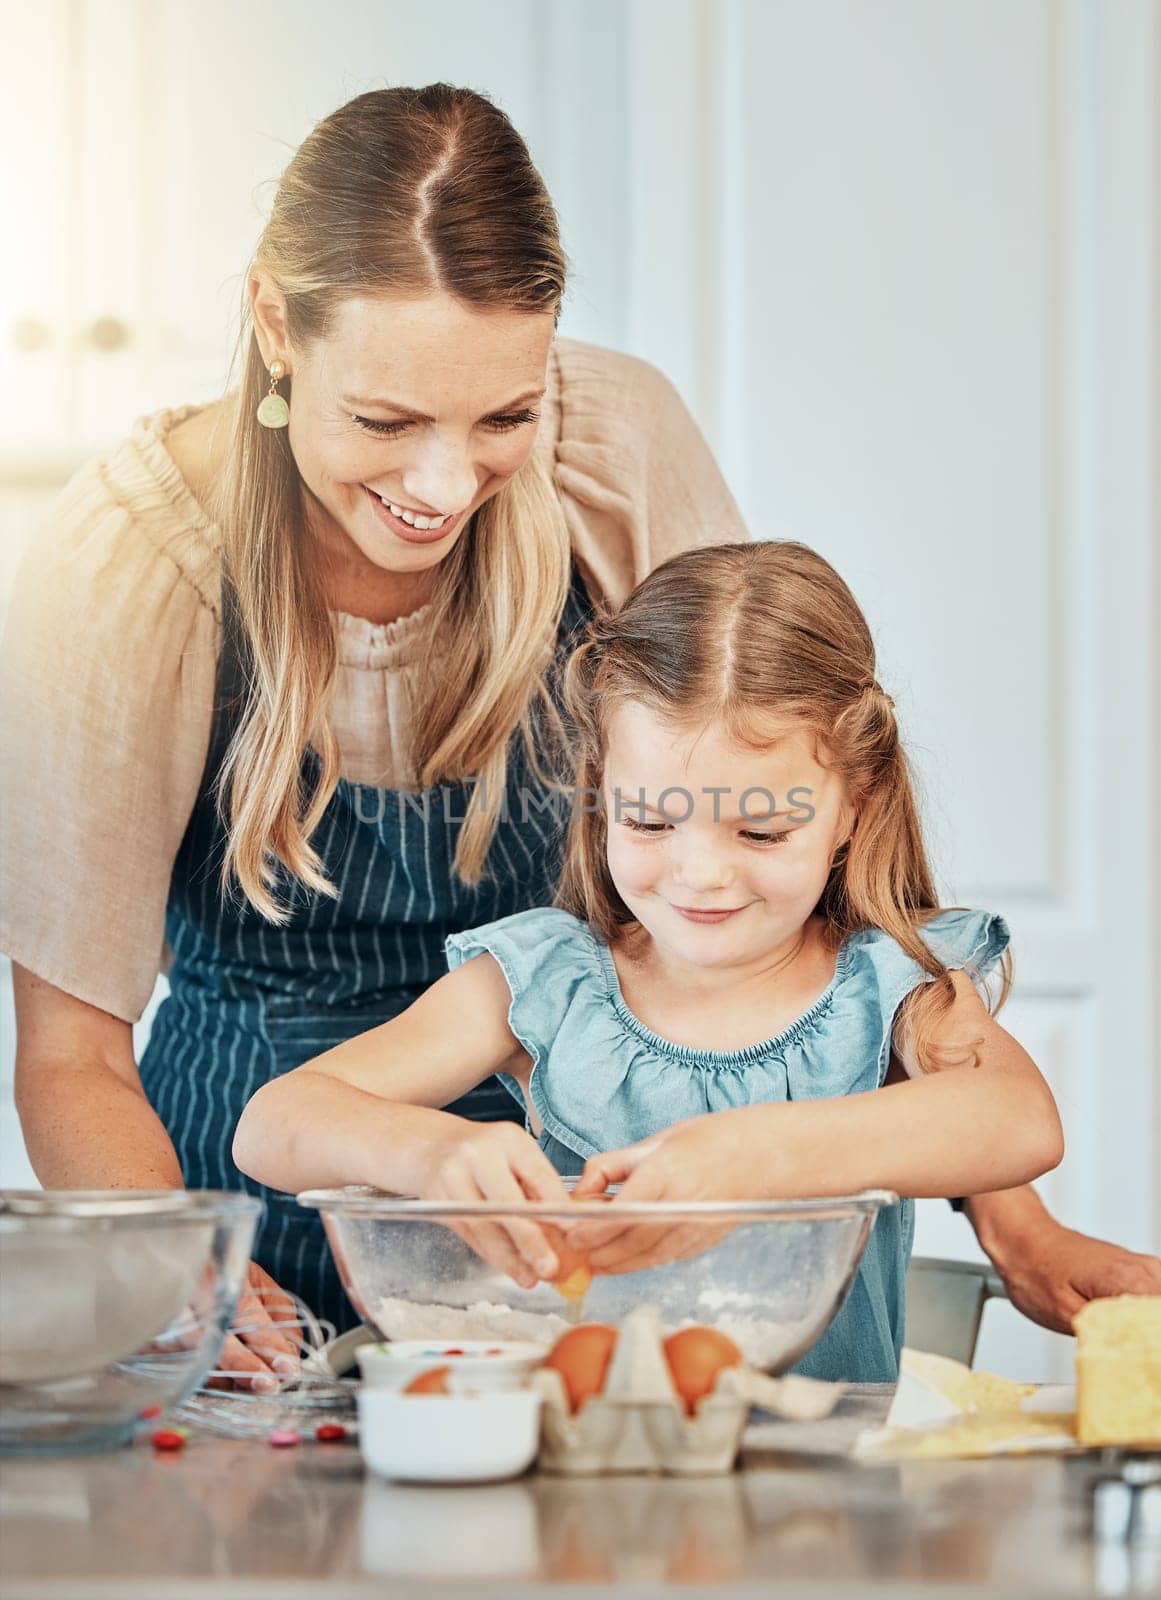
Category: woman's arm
<point>83,1112</point>
<point>88,1125</point>
<point>1051,1271</point>
<point>962,1130</point>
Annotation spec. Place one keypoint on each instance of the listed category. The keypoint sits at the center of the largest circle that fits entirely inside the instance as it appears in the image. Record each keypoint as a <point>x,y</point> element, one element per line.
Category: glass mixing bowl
<point>770,1274</point>
<point>111,1303</point>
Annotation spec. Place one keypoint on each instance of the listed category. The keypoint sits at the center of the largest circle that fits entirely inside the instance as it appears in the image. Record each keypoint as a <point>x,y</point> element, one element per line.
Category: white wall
<point>902,262</point>
<point>918,289</point>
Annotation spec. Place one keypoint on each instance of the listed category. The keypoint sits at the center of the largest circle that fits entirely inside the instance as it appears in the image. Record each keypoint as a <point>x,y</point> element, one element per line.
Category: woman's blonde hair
<point>739,636</point>
<point>409,191</point>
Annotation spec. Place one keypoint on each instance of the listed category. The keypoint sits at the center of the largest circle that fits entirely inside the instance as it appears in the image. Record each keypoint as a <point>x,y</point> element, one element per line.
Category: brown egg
<point>433,1381</point>
<point>582,1358</point>
<point>695,1357</point>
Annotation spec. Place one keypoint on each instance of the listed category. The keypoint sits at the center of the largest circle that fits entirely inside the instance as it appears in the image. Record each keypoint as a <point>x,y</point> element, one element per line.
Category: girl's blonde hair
<point>407,191</point>
<point>740,635</point>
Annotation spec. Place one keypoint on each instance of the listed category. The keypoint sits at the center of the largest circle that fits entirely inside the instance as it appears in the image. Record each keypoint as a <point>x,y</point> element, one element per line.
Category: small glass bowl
<point>111,1304</point>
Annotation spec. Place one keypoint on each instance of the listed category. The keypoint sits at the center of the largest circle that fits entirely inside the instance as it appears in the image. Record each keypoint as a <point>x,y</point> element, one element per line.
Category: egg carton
<point>639,1423</point>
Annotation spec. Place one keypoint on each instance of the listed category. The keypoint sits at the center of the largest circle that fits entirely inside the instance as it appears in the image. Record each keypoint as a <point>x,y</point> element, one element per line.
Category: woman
<point>248,646</point>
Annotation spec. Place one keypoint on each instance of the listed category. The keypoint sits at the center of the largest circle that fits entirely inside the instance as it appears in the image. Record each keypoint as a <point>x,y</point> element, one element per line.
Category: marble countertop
<point>231,1517</point>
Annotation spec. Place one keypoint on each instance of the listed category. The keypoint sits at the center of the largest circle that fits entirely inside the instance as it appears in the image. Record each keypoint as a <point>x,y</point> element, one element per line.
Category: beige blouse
<point>108,661</point>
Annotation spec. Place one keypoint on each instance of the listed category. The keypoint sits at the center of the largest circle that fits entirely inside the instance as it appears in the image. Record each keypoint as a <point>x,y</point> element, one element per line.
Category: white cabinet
<point>80,341</point>
<point>149,137</point>
<point>35,263</point>
<point>915,300</point>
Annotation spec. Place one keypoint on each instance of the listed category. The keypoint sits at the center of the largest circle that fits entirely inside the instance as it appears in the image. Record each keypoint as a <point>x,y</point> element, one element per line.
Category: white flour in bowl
<point>764,1343</point>
<point>485,1319</point>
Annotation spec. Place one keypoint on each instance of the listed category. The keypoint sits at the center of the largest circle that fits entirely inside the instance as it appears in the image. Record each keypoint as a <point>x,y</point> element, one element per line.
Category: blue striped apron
<point>248,1001</point>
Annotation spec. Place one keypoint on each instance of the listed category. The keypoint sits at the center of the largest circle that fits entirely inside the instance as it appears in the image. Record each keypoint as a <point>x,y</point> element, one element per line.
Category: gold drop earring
<point>274,411</point>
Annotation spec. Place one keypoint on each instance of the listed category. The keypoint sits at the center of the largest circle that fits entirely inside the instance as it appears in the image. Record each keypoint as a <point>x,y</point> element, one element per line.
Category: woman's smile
<point>421,530</point>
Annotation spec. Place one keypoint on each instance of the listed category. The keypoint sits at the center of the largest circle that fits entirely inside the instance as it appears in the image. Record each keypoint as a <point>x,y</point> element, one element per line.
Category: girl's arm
<point>367,1112</point>
<point>962,1130</point>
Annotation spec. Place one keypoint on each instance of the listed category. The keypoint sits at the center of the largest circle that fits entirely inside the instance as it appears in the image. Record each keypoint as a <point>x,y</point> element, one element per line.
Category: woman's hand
<point>1051,1271</point>
<point>1069,1269</point>
<point>500,1163</point>
<point>262,1349</point>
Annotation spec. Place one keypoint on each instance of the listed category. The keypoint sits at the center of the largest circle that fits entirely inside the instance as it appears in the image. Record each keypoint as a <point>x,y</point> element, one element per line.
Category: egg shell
<point>583,1357</point>
<point>433,1381</point>
<point>475,1364</point>
<point>639,1422</point>
<point>571,1263</point>
<point>695,1356</point>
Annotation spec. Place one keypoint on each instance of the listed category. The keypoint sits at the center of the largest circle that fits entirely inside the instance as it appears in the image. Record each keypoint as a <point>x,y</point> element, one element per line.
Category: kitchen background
<point>901,259</point>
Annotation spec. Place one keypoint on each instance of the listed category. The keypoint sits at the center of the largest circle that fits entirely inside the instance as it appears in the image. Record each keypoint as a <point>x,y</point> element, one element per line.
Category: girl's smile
<point>693,915</point>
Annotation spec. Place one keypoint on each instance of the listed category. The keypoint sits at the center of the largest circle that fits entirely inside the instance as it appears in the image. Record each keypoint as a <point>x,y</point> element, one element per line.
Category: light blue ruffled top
<point>602,1079</point>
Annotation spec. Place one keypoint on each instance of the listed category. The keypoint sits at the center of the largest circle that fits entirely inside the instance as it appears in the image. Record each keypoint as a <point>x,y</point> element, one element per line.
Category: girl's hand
<point>502,1164</point>
<point>700,1159</point>
<point>703,1158</point>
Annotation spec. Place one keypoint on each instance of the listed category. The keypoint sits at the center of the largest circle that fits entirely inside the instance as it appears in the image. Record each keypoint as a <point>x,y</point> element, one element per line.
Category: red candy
<point>150,1412</point>
<point>330,1432</point>
<point>168,1439</point>
<point>453,1350</point>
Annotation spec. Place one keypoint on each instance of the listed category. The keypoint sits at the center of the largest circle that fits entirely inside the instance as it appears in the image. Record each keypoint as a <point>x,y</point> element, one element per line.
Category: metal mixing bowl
<point>110,1304</point>
<point>770,1274</point>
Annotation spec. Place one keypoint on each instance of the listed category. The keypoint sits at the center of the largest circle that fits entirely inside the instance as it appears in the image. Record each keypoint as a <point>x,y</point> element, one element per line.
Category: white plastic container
<point>476,1366</point>
<point>452,1438</point>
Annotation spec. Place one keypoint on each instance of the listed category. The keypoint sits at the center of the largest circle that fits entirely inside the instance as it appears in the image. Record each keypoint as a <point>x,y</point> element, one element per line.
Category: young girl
<point>746,926</point>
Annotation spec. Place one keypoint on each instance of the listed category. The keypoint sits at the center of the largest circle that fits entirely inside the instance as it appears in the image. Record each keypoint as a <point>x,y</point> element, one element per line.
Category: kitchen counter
<point>232,1518</point>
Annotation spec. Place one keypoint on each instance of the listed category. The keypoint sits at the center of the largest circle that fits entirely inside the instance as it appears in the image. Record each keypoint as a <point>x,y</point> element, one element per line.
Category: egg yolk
<point>574,1275</point>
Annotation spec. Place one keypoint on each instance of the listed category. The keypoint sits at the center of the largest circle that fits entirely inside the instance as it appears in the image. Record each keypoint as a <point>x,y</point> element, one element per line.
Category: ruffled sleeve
<point>559,999</point>
<point>107,669</point>
<point>971,940</point>
<point>635,476</point>
<point>875,976</point>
